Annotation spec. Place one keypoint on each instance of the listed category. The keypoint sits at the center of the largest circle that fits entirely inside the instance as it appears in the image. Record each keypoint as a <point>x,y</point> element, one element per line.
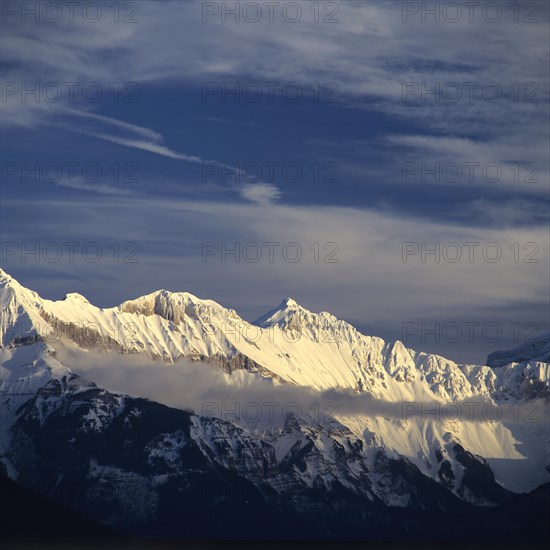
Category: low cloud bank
<point>257,402</point>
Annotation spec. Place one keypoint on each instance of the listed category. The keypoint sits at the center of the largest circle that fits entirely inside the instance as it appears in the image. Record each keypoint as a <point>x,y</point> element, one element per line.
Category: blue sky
<point>156,142</point>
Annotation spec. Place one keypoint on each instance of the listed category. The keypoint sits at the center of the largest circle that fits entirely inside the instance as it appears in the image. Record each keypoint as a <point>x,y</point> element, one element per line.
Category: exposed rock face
<point>160,303</point>
<point>87,337</point>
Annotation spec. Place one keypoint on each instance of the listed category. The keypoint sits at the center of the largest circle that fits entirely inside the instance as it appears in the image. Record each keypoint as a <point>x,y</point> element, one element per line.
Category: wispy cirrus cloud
<point>82,185</point>
<point>262,193</point>
<point>373,52</point>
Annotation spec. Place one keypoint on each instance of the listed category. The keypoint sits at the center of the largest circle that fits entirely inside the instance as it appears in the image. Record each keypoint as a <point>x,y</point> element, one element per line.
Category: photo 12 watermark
<point>270,252</point>
<point>69,92</point>
<point>269,172</point>
<point>468,92</point>
<point>469,332</point>
<point>471,252</point>
<point>53,252</point>
<point>270,12</point>
<point>529,412</point>
<point>471,11</point>
<point>69,172</point>
<point>269,92</point>
<point>268,412</point>
<point>469,172</point>
<point>65,11</point>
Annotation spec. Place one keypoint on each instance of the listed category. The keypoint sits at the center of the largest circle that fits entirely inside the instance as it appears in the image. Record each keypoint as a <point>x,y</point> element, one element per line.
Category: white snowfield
<point>294,346</point>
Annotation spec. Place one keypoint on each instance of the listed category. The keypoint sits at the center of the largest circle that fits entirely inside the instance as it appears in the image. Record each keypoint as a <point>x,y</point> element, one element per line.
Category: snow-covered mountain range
<point>314,465</point>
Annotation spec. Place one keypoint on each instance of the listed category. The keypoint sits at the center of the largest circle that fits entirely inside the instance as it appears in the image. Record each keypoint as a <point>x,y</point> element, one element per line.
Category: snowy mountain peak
<point>174,306</point>
<point>281,314</point>
<point>4,277</point>
<point>181,298</point>
<point>75,296</point>
<point>7,280</point>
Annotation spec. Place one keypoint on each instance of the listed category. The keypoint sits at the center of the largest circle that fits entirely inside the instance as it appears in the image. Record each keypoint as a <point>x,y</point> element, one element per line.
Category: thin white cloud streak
<point>100,188</point>
<point>260,193</point>
<point>148,146</point>
<point>142,131</point>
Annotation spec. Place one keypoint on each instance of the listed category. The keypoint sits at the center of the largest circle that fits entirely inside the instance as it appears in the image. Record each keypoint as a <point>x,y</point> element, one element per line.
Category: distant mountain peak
<point>173,306</point>
<point>75,296</point>
<point>536,348</point>
<point>281,314</point>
